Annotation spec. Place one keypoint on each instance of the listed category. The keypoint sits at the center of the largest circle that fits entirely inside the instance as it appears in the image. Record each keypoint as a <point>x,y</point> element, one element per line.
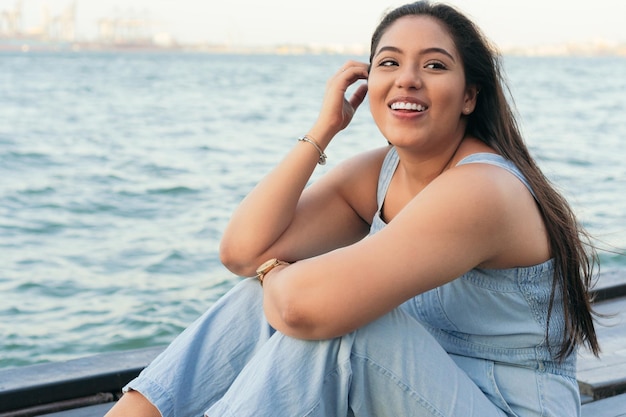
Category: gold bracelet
<point>309,139</point>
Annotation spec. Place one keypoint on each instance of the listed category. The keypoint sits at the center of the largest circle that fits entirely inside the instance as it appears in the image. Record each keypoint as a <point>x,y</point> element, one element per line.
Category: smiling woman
<point>441,275</point>
<point>431,65</point>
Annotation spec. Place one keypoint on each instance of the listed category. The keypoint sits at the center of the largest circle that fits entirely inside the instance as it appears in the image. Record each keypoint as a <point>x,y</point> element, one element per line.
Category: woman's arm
<point>279,219</point>
<point>474,215</point>
<point>333,212</point>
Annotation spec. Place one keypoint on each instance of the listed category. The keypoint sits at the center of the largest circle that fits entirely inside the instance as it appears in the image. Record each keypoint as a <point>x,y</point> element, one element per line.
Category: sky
<point>341,22</point>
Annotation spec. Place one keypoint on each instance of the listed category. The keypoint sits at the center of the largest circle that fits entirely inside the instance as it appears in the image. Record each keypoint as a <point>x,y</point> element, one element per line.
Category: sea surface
<point>119,171</point>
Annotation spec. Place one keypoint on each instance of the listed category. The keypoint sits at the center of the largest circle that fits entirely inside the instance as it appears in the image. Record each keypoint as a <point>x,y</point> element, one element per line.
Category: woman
<point>441,275</point>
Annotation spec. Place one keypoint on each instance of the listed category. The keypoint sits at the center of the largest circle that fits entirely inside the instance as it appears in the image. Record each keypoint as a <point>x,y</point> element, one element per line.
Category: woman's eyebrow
<point>422,52</point>
<point>438,50</point>
<point>388,48</point>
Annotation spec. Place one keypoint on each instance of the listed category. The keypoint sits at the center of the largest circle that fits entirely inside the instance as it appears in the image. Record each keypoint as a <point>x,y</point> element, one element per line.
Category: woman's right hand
<point>337,111</point>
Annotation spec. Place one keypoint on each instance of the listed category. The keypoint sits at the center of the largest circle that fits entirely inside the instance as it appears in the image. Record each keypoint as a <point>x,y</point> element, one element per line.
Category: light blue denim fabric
<point>474,347</point>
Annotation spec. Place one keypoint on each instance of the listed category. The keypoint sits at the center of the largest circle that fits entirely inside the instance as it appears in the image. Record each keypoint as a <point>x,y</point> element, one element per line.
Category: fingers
<point>358,96</point>
<point>353,70</point>
<point>337,110</point>
<point>352,66</point>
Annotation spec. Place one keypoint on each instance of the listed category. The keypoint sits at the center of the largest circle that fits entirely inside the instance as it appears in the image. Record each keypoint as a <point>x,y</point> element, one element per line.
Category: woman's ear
<point>471,96</point>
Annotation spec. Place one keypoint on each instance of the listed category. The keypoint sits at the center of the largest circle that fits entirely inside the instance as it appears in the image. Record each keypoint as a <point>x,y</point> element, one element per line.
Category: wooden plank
<point>92,411</point>
<point>611,284</point>
<point>54,382</point>
<point>606,376</point>
<point>62,408</point>
<point>609,407</point>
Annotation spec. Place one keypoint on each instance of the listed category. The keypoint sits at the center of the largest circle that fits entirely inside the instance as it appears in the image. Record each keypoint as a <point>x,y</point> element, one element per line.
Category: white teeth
<point>400,105</point>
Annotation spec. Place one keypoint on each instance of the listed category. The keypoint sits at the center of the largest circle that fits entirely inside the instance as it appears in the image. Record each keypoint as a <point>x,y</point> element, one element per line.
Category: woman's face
<point>417,87</point>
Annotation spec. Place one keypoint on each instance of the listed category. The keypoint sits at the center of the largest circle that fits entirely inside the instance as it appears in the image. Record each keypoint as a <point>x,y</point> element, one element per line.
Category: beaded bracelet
<point>307,138</point>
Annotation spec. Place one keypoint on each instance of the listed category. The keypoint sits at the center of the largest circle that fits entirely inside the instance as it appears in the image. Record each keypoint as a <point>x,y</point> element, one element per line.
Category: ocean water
<point>119,171</point>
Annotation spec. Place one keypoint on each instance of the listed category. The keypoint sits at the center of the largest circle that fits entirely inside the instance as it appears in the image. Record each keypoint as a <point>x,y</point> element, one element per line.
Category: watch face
<point>265,265</point>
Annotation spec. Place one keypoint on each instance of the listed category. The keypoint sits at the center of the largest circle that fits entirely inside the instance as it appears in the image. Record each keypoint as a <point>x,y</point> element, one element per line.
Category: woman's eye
<point>436,65</point>
<point>387,63</point>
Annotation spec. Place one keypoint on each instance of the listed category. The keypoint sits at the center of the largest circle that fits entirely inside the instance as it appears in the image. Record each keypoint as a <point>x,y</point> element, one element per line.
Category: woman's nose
<point>408,77</point>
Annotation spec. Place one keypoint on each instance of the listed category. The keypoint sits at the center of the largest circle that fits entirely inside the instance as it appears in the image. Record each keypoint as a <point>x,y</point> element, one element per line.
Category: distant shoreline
<point>27,45</point>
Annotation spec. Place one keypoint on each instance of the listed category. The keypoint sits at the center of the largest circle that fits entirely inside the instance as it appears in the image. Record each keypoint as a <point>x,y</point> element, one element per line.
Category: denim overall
<point>473,347</point>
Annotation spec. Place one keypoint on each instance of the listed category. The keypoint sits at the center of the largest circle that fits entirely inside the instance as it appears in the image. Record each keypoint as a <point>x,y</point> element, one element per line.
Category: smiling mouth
<point>401,105</point>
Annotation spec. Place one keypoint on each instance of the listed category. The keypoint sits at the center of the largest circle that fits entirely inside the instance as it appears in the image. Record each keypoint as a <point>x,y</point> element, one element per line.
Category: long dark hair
<point>494,123</point>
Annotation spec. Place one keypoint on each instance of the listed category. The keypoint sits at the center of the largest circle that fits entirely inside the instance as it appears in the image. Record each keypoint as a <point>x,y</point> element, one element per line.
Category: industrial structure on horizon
<point>58,31</point>
<point>61,27</point>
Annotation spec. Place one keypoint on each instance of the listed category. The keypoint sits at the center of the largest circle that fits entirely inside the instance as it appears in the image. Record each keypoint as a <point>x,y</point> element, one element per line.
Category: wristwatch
<point>267,267</point>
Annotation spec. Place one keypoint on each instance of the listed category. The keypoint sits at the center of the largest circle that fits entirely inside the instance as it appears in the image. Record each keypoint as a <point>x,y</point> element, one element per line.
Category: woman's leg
<point>202,362</point>
<point>402,370</point>
<point>392,366</point>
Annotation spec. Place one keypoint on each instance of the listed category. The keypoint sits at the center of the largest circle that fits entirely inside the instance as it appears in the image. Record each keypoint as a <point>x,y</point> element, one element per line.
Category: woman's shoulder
<point>482,168</point>
<point>371,159</point>
<point>362,168</point>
